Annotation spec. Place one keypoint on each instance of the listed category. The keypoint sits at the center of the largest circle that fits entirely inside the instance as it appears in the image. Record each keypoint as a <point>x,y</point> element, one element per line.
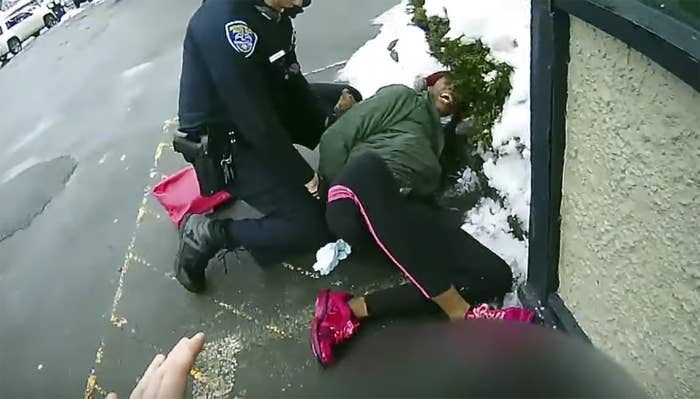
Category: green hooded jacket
<point>400,125</point>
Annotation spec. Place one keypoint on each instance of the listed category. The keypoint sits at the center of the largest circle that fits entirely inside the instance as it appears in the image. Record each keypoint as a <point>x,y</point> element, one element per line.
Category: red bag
<point>179,195</point>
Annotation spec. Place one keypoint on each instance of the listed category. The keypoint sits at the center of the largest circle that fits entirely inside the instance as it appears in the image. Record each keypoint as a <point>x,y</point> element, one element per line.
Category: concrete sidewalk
<point>256,320</point>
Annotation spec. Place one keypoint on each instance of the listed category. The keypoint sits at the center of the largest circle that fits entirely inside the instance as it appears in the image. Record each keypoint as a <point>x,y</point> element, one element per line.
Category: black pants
<point>293,220</point>
<point>431,251</point>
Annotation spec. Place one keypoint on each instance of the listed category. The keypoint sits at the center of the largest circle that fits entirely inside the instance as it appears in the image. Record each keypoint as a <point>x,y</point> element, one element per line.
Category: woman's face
<point>442,92</point>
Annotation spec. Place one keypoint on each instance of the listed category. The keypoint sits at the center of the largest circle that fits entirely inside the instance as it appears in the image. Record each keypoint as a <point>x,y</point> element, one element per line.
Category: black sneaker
<point>197,247</point>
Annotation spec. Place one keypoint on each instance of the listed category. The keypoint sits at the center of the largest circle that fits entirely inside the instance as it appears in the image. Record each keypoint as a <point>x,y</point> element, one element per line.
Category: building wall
<point>630,250</point>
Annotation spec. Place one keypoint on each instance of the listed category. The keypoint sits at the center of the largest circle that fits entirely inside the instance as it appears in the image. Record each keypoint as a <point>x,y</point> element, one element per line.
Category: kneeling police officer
<point>243,102</point>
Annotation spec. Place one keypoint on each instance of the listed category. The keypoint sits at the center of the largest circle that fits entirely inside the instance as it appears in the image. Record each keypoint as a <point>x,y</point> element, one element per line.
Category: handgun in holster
<point>212,156</point>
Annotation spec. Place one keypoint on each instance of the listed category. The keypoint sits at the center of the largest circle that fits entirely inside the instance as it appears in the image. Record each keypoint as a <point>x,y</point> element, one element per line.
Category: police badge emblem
<point>241,37</point>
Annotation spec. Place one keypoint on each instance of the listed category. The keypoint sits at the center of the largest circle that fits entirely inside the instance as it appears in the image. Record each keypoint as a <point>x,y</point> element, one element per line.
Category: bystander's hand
<point>166,377</point>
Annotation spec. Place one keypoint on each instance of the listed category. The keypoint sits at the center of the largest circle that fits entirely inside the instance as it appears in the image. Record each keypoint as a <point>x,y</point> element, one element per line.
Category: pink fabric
<point>484,311</point>
<point>342,192</point>
<point>179,195</point>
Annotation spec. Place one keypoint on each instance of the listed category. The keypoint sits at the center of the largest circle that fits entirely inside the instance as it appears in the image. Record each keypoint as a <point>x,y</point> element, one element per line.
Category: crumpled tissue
<point>330,255</point>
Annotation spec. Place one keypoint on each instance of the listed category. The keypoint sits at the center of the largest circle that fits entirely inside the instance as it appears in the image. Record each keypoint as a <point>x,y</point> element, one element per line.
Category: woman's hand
<point>313,186</point>
<point>166,377</point>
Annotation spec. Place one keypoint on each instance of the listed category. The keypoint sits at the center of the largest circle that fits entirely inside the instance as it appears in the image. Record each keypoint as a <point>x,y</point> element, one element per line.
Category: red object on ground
<point>179,195</point>
<point>515,314</point>
<point>333,323</point>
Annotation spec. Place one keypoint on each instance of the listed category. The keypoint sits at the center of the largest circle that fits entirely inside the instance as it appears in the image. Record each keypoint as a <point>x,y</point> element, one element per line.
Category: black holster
<point>212,157</point>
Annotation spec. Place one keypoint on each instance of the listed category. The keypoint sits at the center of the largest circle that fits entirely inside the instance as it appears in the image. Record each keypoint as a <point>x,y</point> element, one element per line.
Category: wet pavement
<point>256,320</point>
<point>27,195</point>
<point>86,294</point>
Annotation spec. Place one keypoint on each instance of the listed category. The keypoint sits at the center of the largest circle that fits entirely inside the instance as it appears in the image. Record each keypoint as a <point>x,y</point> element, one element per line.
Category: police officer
<point>241,81</point>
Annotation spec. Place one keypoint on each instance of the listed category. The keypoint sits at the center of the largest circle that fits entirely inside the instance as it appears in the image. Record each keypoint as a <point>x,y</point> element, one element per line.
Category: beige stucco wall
<point>630,252</point>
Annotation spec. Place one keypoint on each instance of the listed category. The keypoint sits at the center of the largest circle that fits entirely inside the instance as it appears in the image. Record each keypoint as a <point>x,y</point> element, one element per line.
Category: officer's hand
<point>313,185</point>
<point>345,102</point>
<point>166,377</point>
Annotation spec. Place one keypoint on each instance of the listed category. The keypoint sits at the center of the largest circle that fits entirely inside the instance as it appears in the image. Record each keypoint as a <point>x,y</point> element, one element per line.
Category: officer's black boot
<point>200,239</point>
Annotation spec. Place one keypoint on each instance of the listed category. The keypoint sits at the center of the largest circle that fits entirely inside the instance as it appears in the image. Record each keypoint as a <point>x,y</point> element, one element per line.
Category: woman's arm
<point>373,115</point>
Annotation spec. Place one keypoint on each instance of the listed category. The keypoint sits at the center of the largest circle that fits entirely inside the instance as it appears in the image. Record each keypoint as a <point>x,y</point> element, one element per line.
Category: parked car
<point>57,7</point>
<point>21,24</point>
<point>4,50</point>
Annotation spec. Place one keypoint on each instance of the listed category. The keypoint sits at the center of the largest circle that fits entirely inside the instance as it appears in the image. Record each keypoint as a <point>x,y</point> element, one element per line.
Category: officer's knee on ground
<point>300,237</point>
<point>316,232</point>
<point>307,230</point>
<point>344,221</point>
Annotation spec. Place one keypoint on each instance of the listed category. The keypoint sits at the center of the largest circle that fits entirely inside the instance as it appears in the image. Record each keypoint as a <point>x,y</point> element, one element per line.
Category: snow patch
<point>372,67</point>
<point>132,86</point>
<point>469,181</point>
<point>136,71</point>
<point>41,128</point>
<point>488,223</point>
<point>510,176</point>
<point>19,168</point>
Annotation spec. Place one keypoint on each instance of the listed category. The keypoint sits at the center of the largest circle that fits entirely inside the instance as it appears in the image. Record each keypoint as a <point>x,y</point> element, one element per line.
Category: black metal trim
<point>548,83</point>
<point>669,42</point>
<point>565,319</point>
<point>530,300</point>
<point>560,88</point>
<point>552,313</point>
<point>542,39</point>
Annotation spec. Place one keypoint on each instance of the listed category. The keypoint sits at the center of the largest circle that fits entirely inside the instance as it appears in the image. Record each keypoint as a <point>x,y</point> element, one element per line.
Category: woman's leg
<point>402,300</point>
<point>345,221</point>
<point>366,208</point>
<point>438,259</point>
<point>476,277</point>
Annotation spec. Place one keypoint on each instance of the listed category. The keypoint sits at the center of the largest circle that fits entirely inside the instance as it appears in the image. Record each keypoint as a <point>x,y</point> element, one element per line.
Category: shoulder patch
<point>241,37</point>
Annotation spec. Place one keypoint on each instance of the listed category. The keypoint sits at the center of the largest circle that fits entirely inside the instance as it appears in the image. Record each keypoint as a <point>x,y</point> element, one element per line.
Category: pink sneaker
<point>484,311</point>
<point>333,323</point>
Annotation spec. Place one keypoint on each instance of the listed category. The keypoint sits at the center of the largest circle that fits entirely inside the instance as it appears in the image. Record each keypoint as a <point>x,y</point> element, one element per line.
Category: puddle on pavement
<point>25,196</point>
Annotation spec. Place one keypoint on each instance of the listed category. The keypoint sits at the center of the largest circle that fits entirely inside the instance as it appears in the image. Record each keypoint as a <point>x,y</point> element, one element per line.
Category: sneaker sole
<point>317,324</point>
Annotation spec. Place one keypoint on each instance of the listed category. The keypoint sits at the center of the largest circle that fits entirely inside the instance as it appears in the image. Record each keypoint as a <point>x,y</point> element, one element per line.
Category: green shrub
<point>468,64</point>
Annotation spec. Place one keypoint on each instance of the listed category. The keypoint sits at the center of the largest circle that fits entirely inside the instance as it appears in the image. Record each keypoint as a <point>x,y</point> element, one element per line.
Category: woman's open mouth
<point>446,98</point>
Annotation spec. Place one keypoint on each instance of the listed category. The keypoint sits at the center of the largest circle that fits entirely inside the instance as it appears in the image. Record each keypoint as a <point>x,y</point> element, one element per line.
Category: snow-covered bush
<point>482,84</point>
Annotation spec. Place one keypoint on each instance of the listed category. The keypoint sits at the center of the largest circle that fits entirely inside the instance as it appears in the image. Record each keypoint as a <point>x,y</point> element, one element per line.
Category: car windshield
<point>14,20</point>
<point>21,14</point>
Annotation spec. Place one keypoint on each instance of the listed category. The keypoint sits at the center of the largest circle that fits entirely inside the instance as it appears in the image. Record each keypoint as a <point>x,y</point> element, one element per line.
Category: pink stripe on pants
<point>341,192</point>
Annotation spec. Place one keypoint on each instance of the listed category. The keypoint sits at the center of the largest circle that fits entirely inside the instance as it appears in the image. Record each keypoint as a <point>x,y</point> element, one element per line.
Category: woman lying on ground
<point>379,150</point>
